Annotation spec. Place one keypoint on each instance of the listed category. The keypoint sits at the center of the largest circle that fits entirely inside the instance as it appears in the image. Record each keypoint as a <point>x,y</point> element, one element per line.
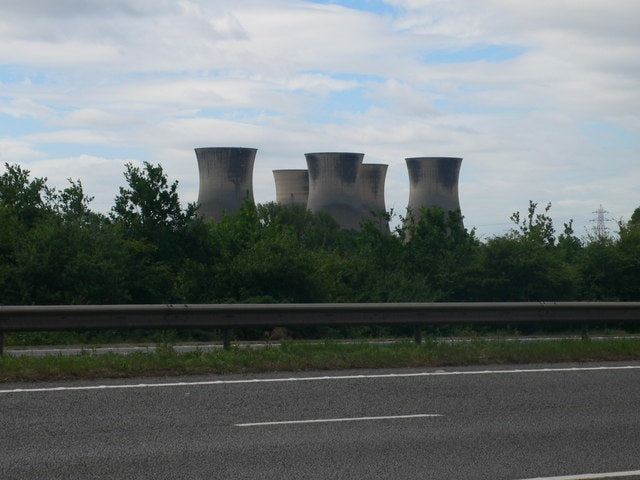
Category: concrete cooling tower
<point>292,187</point>
<point>226,179</point>
<point>372,177</point>
<point>433,181</point>
<point>334,186</point>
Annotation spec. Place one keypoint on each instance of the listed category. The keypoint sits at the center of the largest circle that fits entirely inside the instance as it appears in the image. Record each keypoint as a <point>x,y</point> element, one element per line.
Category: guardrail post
<point>417,334</point>
<point>1,343</point>
<point>226,338</point>
<point>585,331</point>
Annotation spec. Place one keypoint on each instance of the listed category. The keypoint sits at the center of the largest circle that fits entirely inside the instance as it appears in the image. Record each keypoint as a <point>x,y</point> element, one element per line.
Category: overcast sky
<point>541,98</point>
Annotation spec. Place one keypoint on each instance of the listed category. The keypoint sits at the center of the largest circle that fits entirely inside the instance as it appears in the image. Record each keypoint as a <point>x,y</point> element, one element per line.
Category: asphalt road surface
<point>508,422</point>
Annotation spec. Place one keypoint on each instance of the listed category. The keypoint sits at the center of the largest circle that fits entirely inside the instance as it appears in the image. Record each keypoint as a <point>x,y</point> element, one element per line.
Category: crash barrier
<point>238,316</point>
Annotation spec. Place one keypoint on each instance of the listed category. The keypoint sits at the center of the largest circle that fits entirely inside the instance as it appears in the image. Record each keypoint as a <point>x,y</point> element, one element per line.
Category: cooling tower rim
<point>290,170</point>
<point>433,158</point>
<point>212,149</point>
<point>334,153</point>
<point>375,164</point>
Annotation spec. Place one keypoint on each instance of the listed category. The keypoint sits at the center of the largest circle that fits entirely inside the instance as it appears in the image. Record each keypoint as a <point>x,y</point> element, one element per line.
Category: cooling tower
<point>433,181</point>
<point>292,187</point>
<point>334,186</point>
<point>226,179</point>
<point>372,176</point>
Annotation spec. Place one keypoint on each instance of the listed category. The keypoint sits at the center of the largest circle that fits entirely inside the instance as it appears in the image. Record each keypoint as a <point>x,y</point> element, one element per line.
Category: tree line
<point>54,249</point>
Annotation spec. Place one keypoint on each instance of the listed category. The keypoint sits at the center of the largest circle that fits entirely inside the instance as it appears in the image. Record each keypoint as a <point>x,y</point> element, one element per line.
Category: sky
<point>541,98</point>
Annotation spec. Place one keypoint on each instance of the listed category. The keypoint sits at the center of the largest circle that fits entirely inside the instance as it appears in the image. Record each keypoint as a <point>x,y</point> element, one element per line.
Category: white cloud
<point>25,107</point>
<point>46,53</point>
<point>93,117</point>
<point>15,151</point>
<point>74,136</point>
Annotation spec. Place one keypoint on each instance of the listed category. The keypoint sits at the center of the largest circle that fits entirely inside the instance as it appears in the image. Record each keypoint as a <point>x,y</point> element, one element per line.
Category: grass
<point>299,356</point>
<point>176,335</point>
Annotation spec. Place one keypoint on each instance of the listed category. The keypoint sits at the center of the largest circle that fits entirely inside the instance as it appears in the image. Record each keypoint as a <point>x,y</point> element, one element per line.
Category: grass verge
<point>295,356</point>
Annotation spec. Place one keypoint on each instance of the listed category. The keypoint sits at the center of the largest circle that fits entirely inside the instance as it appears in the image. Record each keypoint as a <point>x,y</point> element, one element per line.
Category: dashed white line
<point>336,420</point>
<point>438,373</point>
<point>591,476</point>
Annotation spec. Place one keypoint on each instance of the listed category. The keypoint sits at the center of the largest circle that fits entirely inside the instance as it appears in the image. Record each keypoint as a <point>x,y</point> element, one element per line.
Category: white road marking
<point>335,420</point>
<point>438,373</point>
<point>587,476</point>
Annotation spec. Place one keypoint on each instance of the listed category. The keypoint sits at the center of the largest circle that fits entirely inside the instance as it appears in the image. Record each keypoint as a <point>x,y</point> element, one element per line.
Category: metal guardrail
<point>227,316</point>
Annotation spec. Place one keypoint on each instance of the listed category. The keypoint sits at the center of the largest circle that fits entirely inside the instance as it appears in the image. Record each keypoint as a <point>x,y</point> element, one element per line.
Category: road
<point>507,422</point>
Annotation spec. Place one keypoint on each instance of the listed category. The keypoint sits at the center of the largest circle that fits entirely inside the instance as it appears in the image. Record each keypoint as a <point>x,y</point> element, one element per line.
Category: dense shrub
<point>150,249</point>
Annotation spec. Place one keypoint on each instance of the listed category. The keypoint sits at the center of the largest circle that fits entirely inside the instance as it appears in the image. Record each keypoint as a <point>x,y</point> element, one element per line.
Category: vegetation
<point>304,356</point>
<point>150,249</point>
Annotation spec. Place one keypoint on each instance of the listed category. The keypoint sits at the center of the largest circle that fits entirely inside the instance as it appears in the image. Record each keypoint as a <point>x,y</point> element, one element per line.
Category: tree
<point>73,204</point>
<point>525,264</point>
<point>635,217</point>
<point>158,234</point>
<point>150,204</point>
<point>25,198</point>
<point>370,266</point>
<point>53,249</point>
<point>600,266</point>
<point>610,267</point>
<point>439,253</point>
<point>628,246</point>
<point>313,229</point>
<point>536,227</point>
<point>269,253</point>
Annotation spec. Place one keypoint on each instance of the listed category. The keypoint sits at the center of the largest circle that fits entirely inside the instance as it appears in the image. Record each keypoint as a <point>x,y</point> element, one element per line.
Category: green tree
<point>439,254</point>
<point>536,227</point>
<point>149,205</point>
<point>635,217</point>
<point>610,266</point>
<point>270,253</point>
<point>370,266</point>
<point>73,204</point>
<point>628,246</point>
<point>600,265</point>
<point>313,229</point>
<point>53,249</point>
<point>526,265</point>
<point>23,203</point>
<point>27,199</point>
<point>158,234</point>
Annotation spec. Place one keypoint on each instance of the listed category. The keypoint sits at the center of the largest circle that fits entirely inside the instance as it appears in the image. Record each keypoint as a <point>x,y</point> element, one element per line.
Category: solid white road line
<point>588,476</point>
<point>439,373</point>
<point>335,420</point>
